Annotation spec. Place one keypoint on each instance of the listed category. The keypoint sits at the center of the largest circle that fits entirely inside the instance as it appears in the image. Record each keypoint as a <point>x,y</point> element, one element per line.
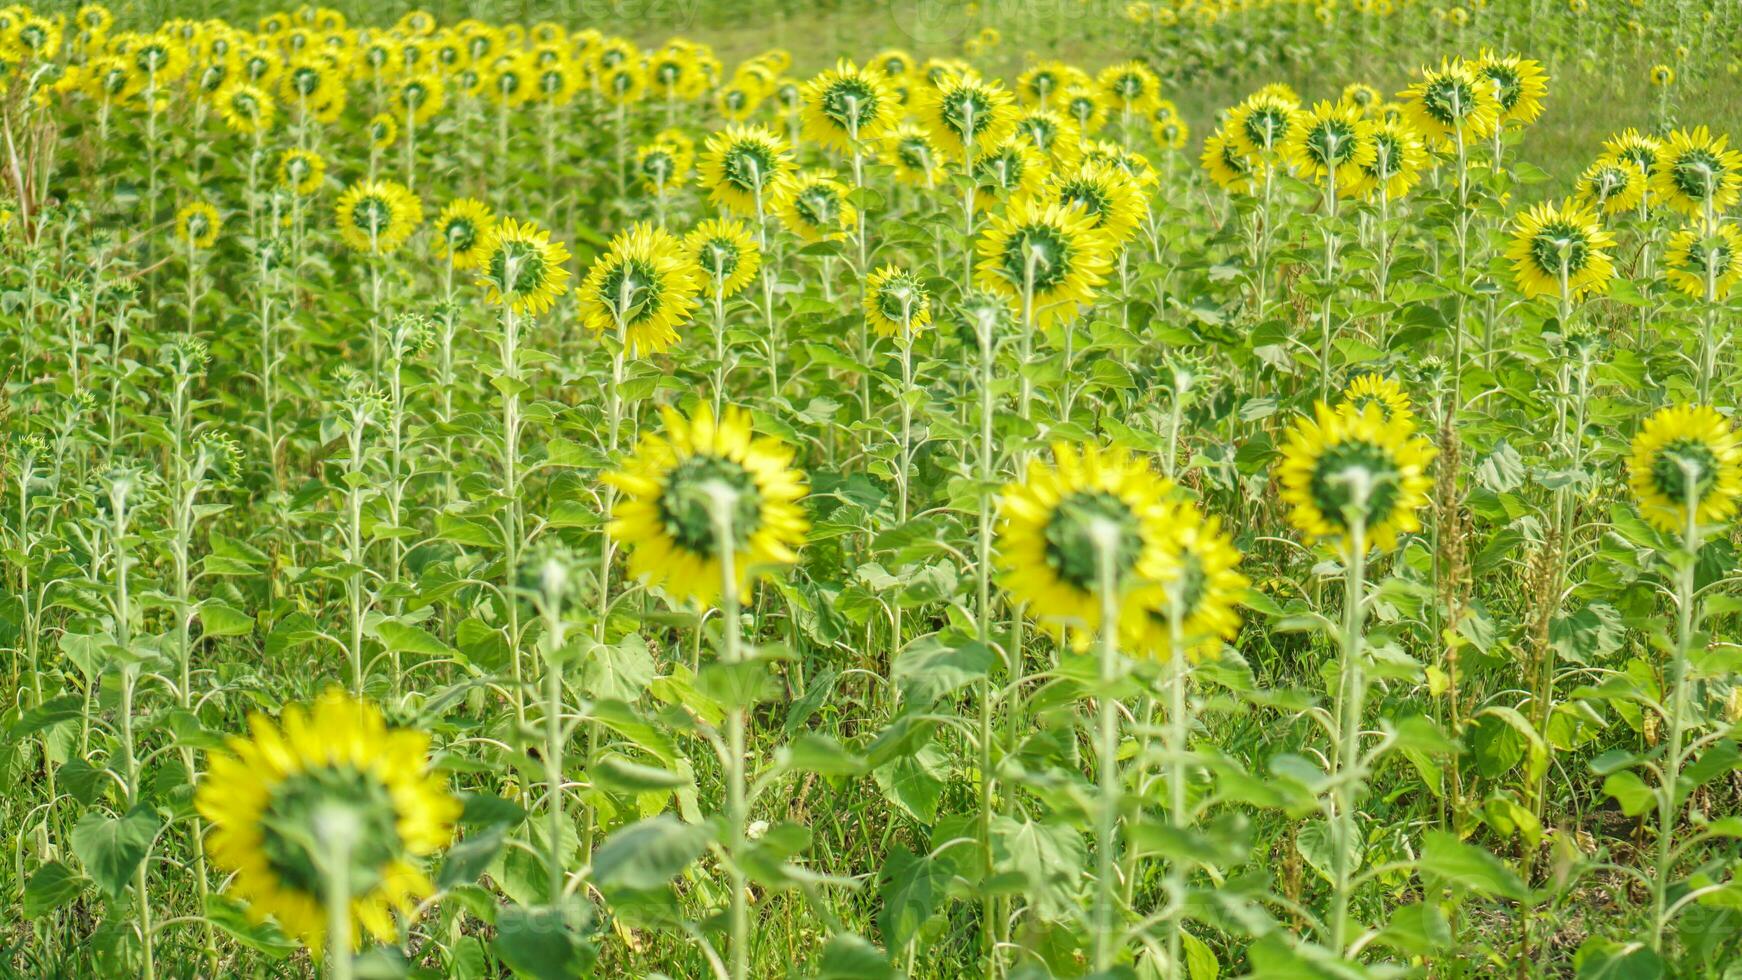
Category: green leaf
<point>263,937</point>
<point>52,886</point>
<point>1048,856</point>
<point>218,619</point>
<point>543,942</point>
<point>847,957</point>
<point>929,668</point>
<point>402,638</point>
<point>912,886</point>
<point>1417,929</point>
<point>648,854</point>
<point>469,858</point>
<point>1200,959</point>
<point>915,782</point>
<point>1630,791</point>
<point>1315,843</point>
<point>111,848</point>
<point>1447,857</point>
<point>621,670</point>
<point>818,753</point>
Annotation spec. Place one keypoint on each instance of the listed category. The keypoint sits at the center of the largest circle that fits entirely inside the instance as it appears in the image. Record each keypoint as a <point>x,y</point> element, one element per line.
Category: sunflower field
<point>753,488</point>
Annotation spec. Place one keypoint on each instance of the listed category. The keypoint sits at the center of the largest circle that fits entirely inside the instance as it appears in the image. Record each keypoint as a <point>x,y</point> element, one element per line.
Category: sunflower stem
<point>722,500</point>
<point>1669,789</point>
<point>1346,775</point>
<point>1105,536</point>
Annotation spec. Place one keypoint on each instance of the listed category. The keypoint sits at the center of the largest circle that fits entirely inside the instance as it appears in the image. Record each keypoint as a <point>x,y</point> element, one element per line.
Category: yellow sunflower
<point>1331,137</point>
<point>1013,167</point>
<point>1695,170</point>
<point>1662,75</point>
<point>245,108</point>
<point>1040,84</point>
<point>1450,100</point>
<point>1362,96</point>
<point>377,216</point>
<point>1226,165</point>
<point>1700,259</point>
<point>742,167</point>
<point>662,166</point>
<point>1396,163</point>
<point>1062,521</point>
<point>278,800</point>
<point>1086,107</point>
<point>1346,463</point>
<point>1202,576</point>
<point>197,224</point>
<point>462,232</point>
<point>677,481</point>
<point>1380,391</point>
<point>383,131</point>
<point>848,106</point>
<point>897,303</point>
<point>726,252</point>
<point>418,98</point>
<point>1611,186</point>
<point>1130,87</point>
<point>967,110</point>
<point>1686,457</point>
<point>519,266</point>
<point>647,280</point>
<point>301,171</point>
<point>1262,124</point>
<point>1107,195</point>
<point>814,205</point>
<point>909,149</point>
<point>1550,241</point>
<point>1171,134</point>
<point>1050,249</point>
<point>1518,84</point>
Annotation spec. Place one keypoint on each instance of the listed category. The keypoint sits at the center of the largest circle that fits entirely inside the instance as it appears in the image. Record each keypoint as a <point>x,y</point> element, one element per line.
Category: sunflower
<point>309,82</point>
<point>1697,259</point>
<point>966,111</point>
<point>383,131</point>
<point>814,205</point>
<point>1131,87</point>
<point>1051,248</point>
<point>667,515</point>
<point>197,224</point>
<point>1634,147</point>
<point>1332,457</point>
<point>1449,101</point>
<point>1013,167</point>
<point>1226,165</point>
<point>847,107</point>
<point>418,98</point>
<point>726,252</point>
<point>1662,75</point>
<point>1330,137</point>
<point>744,168</point>
<point>1362,96</point>
<point>301,171</point>
<point>1550,240</point>
<point>377,216</point>
<point>622,84</point>
<point>1171,134</point>
<point>1085,106</point>
<point>662,166</point>
<point>520,267</point>
<point>897,303</point>
<point>245,108</point>
<point>1518,84</point>
<point>556,83</point>
<point>646,279</point>
<point>1039,84</point>
<point>1685,457</point>
<point>1061,522</point>
<point>675,74</point>
<point>276,799</point>
<point>1396,163</point>
<point>911,152</point>
<point>462,232</point>
<point>1106,194</point>
<point>1611,186</point>
<point>1696,170</point>
<point>1202,574</point>
<point>1381,392</point>
<point>1262,124</point>
<point>737,101</point>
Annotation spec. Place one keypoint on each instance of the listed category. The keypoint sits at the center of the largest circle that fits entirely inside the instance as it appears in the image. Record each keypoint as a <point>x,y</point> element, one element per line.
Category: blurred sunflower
<point>197,224</point>
<point>281,801</point>
<point>1551,241</point>
<point>1202,575</point>
<point>1086,107</point>
<point>1362,96</point>
<point>847,107</point>
<point>462,232</point>
<point>967,110</point>
<point>1381,392</point>
<point>726,253</point>
<point>647,280</point>
<point>1226,165</point>
<point>1011,168</point>
<point>521,268</point>
<point>744,169</point>
<point>1345,464</point>
<point>377,216</point>
<point>1055,136</point>
<point>897,303</point>
<point>301,171</point>
<point>1062,521</point>
<point>662,166</point>
<point>383,131</point>
<point>1130,87</point>
<point>1662,75</point>
<point>672,486</point>
<point>245,108</point>
<point>1107,195</point>
<point>1052,249</point>
<point>1698,259</point>
<point>815,207</point>
<point>1685,458</point>
<point>1696,171</point>
<point>1038,85</point>
<point>1396,163</point>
